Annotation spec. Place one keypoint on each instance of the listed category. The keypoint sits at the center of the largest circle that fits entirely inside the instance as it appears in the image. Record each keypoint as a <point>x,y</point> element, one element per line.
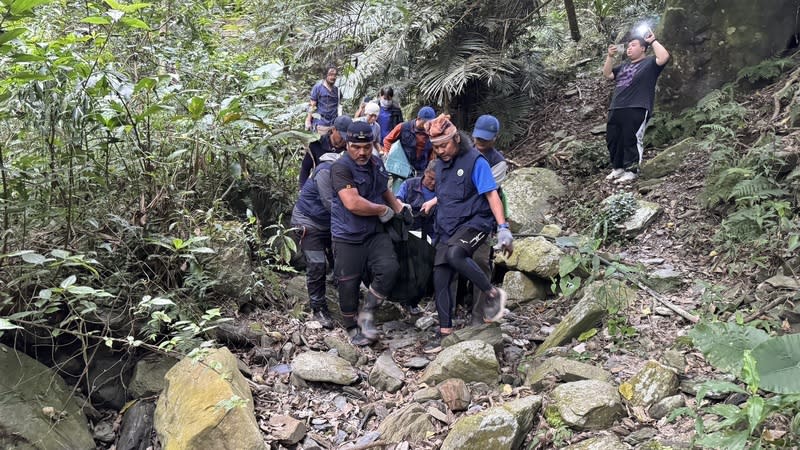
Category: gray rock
<point>317,366</point>
<point>148,375</point>
<point>469,360</point>
<point>551,230</point>
<point>417,362</point>
<point>589,311</point>
<point>564,370</point>
<point>604,442</point>
<point>37,410</point>
<point>136,430</point>
<point>207,403</point>
<point>230,265</point>
<point>410,423</point>
<point>665,280</point>
<point>640,435</point>
<point>385,375</point>
<point>651,384</point>
<point>528,192</point>
<point>498,428</point>
<point>663,407</point>
<point>669,160</point>
<point>646,212</point>
<point>489,333</point>
<point>397,344</point>
<point>345,349</point>
<point>427,394</point>
<point>104,432</point>
<point>675,359</point>
<point>388,312</point>
<point>425,322</point>
<point>533,255</point>
<point>109,373</point>
<point>598,129</point>
<point>783,282</point>
<point>522,289</point>
<point>588,404</point>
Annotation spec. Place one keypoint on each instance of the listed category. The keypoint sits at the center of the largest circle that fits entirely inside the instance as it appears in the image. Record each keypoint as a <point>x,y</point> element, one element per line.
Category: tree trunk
<point>572,18</point>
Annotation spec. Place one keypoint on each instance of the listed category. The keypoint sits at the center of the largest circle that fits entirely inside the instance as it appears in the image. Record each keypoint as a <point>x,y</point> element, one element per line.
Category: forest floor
<point>679,238</point>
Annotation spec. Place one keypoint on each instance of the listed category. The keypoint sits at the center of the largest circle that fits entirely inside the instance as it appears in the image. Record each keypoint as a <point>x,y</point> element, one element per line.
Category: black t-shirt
<point>636,84</point>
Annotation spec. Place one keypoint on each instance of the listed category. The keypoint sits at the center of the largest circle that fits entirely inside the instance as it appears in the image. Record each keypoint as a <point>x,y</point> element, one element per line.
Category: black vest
<point>459,204</point>
<point>309,203</point>
<point>371,180</point>
<point>408,139</point>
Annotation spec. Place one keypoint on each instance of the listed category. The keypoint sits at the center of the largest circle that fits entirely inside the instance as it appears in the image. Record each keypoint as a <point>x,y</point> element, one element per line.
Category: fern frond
<point>758,188</point>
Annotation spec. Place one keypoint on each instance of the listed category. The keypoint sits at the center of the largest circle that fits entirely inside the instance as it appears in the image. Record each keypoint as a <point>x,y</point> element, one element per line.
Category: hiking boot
<point>616,173</point>
<point>434,345</point>
<point>323,316</point>
<point>495,307</point>
<point>626,177</point>
<point>358,339</point>
<point>366,317</point>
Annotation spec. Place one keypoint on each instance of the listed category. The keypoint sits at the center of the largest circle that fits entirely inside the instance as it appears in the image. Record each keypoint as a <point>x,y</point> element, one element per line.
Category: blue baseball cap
<point>486,127</point>
<point>342,123</point>
<point>426,113</point>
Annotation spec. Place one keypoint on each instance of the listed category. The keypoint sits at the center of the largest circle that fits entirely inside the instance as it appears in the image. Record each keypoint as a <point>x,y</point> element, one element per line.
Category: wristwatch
<point>503,225</point>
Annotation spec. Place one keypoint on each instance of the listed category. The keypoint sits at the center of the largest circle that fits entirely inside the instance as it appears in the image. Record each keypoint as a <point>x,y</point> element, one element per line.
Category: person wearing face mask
<point>632,103</point>
<point>370,115</point>
<point>416,144</point>
<point>362,248</point>
<point>390,114</point>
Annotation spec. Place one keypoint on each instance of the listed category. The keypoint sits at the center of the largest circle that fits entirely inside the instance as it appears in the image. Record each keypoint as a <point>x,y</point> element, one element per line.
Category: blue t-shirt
<point>402,193</point>
<point>482,177</point>
<point>327,103</point>
<point>384,119</point>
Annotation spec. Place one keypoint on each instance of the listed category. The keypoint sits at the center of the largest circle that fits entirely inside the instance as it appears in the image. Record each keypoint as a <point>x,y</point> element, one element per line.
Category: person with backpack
<point>468,208</point>
<point>362,249</point>
<point>311,216</point>
<point>331,142</point>
<point>414,139</point>
<point>390,114</point>
<point>323,106</point>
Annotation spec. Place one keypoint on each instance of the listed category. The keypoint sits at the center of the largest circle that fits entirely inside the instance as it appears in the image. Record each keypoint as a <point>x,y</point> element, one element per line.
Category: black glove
<point>408,215</point>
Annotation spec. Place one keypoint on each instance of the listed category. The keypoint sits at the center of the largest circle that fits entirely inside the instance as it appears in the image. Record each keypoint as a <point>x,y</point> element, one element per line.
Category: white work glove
<point>505,241</point>
<point>387,215</point>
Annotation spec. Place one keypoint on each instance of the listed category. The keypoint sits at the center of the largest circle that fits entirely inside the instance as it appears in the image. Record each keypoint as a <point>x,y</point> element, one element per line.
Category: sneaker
<point>494,307</point>
<point>616,173</point>
<point>434,345</point>
<point>626,177</point>
<point>323,316</point>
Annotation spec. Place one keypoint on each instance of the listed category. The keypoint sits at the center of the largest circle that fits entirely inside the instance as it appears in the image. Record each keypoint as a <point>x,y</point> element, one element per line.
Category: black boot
<point>323,316</point>
<point>356,337</point>
<point>366,317</point>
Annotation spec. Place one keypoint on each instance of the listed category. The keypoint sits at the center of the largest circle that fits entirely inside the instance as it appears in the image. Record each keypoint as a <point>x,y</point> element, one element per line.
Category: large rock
<point>109,373</point>
<point>410,423</point>
<point>668,160</point>
<point>324,367</point>
<point>665,406</point>
<point>665,279</point>
<point>135,432</point>
<point>651,384</point>
<point>645,213</point>
<point>589,311</point>
<point>469,360</point>
<point>710,41</point>
<point>345,349</point>
<point>385,374</point>
<point>207,403</point>
<point>148,375</point>
<point>533,255</point>
<point>564,370</point>
<point>487,332</point>
<point>230,264</point>
<point>497,428</point>
<point>604,442</point>
<point>37,410</point>
<point>587,404</point>
<point>528,192</point>
<point>522,288</point>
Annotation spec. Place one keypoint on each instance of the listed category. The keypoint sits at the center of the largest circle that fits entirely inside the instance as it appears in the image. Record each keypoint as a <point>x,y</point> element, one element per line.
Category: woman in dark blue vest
<point>468,208</point>
<point>416,145</point>
<point>362,249</point>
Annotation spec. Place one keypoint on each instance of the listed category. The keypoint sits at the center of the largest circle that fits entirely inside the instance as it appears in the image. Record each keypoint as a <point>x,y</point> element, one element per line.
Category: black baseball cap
<point>360,132</point>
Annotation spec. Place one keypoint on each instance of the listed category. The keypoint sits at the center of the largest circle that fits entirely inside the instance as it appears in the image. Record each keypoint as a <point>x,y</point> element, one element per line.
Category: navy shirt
<point>636,84</point>
<point>327,104</point>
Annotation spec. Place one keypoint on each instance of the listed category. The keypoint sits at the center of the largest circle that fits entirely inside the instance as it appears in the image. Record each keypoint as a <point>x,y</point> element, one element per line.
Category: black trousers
<point>624,136</point>
<point>456,257</point>
<point>315,245</point>
<point>372,261</point>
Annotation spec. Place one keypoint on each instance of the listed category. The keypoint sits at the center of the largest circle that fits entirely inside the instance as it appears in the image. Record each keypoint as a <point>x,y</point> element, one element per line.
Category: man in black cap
<point>362,249</point>
<point>332,142</point>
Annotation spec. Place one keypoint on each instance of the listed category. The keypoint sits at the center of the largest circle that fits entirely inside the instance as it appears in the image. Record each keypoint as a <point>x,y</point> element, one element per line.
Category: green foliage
<point>724,344</point>
<point>616,210</point>
<point>767,70</point>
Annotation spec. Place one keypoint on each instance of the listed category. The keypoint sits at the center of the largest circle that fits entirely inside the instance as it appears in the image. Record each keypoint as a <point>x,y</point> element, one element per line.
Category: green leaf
<point>196,107</point>
<point>6,325</point>
<point>23,6</point>
<point>586,335</point>
<point>11,34</point>
<point>96,20</point>
<point>727,440</point>
<point>60,254</point>
<point>81,290</point>
<point>202,250</point>
<point>133,7</point>
<point>755,412</point>
<point>34,258</point>
<point>718,387</point>
<point>133,22</point>
<point>69,281</point>
<point>723,344</point>
<point>778,364</point>
<point>161,301</point>
<point>567,264</point>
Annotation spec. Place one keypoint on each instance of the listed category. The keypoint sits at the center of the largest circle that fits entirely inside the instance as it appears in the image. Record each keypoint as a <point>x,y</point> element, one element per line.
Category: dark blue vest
<point>371,180</point>
<point>415,197</point>
<point>460,205</point>
<point>493,156</point>
<point>309,202</point>
<point>408,139</point>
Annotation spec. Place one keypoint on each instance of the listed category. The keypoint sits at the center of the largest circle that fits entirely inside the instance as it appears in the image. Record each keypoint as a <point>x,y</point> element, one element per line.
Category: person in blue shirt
<point>312,218</point>
<point>469,207</point>
<point>323,106</point>
<point>390,114</point>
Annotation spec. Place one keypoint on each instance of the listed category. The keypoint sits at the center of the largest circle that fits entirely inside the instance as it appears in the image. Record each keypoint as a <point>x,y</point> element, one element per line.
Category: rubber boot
<point>354,332</point>
<point>366,317</point>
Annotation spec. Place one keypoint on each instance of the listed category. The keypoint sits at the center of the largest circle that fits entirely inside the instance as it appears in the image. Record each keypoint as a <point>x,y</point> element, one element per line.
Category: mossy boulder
<point>651,384</point>
<point>468,360</point>
<point>324,367</point>
<point>498,428</point>
<point>604,442</point>
<point>410,423</point>
<point>521,288</point>
<point>528,193</point>
<point>533,255</point>
<point>669,160</point>
<point>588,404</point>
<point>564,370</point>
